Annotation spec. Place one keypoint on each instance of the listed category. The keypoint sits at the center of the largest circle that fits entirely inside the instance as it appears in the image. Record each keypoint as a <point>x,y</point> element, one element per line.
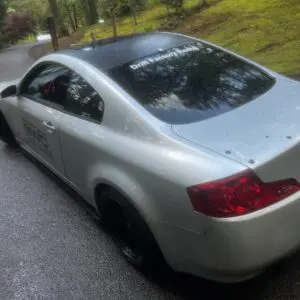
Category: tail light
<point>239,194</point>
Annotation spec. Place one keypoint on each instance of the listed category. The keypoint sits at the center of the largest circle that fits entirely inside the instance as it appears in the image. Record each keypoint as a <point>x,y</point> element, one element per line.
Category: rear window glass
<point>191,83</point>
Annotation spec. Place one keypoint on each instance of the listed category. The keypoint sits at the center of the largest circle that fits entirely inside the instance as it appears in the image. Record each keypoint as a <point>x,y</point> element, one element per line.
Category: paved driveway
<point>51,248</point>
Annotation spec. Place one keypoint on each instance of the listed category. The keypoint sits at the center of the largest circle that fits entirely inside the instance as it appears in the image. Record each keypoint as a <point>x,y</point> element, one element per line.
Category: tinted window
<point>47,83</point>
<point>83,100</point>
<point>192,82</point>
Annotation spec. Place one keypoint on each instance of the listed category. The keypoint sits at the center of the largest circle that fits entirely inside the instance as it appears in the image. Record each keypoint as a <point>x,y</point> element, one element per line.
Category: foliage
<point>61,27</point>
<point>2,10</point>
<point>150,19</point>
<point>31,38</point>
<point>122,7</point>
<point>37,9</point>
<point>265,31</point>
<point>2,15</point>
<point>17,26</point>
<point>71,14</point>
<point>175,4</point>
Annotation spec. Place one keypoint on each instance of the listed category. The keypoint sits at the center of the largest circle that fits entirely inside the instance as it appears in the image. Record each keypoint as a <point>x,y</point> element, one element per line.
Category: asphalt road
<point>51,248</point>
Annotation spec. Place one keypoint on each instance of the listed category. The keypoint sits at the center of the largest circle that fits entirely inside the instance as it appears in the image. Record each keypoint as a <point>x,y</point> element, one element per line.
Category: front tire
<point>130,232</point>
<point>6,133</point>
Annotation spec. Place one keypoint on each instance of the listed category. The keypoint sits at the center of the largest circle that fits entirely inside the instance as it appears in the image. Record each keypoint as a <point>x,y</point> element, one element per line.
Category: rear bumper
<point>235,249</point>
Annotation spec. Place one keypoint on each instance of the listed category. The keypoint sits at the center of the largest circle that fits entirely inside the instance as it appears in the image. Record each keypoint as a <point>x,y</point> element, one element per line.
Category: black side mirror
<point>9,91</point>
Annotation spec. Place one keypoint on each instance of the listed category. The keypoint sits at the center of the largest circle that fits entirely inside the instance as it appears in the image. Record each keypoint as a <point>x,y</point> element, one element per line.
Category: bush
<point>17,26</point>
<point>175,4</point>
<point>123,7</point>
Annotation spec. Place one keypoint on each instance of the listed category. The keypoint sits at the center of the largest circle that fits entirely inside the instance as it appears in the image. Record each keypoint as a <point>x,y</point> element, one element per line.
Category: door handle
<point>49,126</point>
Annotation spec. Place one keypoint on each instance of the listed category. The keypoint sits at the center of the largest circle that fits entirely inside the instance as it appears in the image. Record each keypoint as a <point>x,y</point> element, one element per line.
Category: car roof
<point>108,53</point>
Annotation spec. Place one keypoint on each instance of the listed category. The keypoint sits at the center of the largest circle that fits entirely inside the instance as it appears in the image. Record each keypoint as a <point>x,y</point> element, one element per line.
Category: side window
<point>83,100</point>
<point>47,83</point>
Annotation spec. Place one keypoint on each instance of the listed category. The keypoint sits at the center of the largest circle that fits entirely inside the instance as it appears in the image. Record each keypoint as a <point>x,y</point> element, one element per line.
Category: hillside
<point>267,31</point>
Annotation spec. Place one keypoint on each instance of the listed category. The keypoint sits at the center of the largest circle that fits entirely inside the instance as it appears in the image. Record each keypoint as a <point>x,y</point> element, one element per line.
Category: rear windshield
<point>191,83</point>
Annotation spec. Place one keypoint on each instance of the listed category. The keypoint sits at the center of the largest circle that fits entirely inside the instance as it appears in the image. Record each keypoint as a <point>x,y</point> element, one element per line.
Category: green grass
<point>27,40</point>
<point>267,31</point>
<point>148,20</point>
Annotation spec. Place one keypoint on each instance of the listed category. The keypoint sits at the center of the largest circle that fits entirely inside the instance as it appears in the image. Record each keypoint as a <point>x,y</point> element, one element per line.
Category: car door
<point>41,102</point>
<point>79,132</point>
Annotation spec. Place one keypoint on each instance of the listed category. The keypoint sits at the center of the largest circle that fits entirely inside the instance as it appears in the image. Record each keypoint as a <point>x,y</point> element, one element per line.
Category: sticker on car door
<point>39,137</point>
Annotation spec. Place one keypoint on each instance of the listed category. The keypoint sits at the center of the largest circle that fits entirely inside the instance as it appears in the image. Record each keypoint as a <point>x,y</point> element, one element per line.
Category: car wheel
<point>6,133</point>
<point>130,232</point>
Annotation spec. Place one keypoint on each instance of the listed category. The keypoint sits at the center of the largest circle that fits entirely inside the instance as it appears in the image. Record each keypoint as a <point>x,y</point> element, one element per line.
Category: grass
<point>267,31</point>
<point>27,40</point>
<point>148,20</point>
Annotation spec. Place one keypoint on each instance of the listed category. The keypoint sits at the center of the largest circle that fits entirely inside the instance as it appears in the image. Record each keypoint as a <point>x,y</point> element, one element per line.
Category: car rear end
<point>241,223</point>
<point>252,217</point>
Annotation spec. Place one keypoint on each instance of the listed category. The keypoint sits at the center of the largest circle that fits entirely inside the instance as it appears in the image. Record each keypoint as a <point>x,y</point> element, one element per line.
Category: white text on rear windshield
<point>191,83</point>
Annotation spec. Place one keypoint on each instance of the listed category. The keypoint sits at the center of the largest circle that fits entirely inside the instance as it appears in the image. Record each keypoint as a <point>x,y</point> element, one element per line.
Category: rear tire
<point>6,133</point>
<point>130,232</point>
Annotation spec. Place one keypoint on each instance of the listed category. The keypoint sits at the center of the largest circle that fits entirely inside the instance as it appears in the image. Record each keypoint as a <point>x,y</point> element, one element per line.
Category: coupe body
<point>188,152</point>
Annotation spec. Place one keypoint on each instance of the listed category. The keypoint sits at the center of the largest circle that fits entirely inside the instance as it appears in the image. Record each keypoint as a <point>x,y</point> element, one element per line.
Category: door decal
<point>39,138</point>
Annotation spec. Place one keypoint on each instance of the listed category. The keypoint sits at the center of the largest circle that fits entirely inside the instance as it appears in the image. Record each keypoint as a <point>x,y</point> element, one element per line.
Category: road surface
<point>51,248</point>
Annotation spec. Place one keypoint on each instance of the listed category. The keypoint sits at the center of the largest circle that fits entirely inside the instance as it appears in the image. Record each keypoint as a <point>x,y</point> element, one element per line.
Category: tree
<point>175,4</point>
<point>38,10</point>
<point>69,12</point>
<point>90,11</point>
<point>111,9</point>
<point>62,29</point>
<point>114,16</point>
<point>93,13</point>
<point>135,6</point>
<point>2,15</point>
<point>17,26</point>
<point>86,13</point>
<point>2,11</point>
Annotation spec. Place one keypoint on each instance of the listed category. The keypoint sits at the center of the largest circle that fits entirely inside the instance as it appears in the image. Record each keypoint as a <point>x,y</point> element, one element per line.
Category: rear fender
<point>125,184</point>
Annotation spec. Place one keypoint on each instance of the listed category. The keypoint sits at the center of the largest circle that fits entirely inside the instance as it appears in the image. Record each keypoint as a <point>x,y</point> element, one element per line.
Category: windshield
<point>191,83</point>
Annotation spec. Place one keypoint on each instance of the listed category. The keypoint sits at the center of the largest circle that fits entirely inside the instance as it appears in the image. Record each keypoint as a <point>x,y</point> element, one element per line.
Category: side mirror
<point>9,91</point>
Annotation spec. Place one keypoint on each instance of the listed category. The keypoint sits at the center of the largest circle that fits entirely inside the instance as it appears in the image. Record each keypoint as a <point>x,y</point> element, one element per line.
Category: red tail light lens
<point>239,194</point>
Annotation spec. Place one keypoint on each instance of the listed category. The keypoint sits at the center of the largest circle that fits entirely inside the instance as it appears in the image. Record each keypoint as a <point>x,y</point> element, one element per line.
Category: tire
<point>129,231</point>
<point>6,133</point>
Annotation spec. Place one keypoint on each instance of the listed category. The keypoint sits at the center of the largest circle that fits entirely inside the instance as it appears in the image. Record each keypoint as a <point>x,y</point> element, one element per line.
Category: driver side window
<point>47,85</point>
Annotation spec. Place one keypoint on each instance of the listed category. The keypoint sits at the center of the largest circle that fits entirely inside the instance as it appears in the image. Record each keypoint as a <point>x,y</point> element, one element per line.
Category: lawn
<point>267,31</point>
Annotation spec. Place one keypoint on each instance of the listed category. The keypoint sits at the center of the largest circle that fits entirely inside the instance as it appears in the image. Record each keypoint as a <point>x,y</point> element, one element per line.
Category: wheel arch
<point>143,206</point>
<point>144,210</point>
<point>128,186</point>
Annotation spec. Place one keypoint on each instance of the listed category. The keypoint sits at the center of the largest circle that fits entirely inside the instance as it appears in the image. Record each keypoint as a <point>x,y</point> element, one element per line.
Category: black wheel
<point>130,232</point>
<point>6,133</point>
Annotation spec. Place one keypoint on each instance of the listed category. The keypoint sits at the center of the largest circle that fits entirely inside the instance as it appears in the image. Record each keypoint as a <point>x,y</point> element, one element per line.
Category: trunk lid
<point>263,135</point>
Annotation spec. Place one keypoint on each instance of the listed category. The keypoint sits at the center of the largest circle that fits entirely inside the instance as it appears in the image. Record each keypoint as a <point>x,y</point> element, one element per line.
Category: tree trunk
<point>114,23</point>
<point>93,14</point>
<point>75,17</point>
<point>2,11</point>
<point>62,29</point>
<point>72,23</point>
<point>86,12</point>
<point>134,14</point>
<point>114,17</point>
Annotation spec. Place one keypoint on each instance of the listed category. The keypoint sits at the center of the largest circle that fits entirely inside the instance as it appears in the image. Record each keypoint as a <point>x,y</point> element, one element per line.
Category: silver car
<point>188,152</point>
